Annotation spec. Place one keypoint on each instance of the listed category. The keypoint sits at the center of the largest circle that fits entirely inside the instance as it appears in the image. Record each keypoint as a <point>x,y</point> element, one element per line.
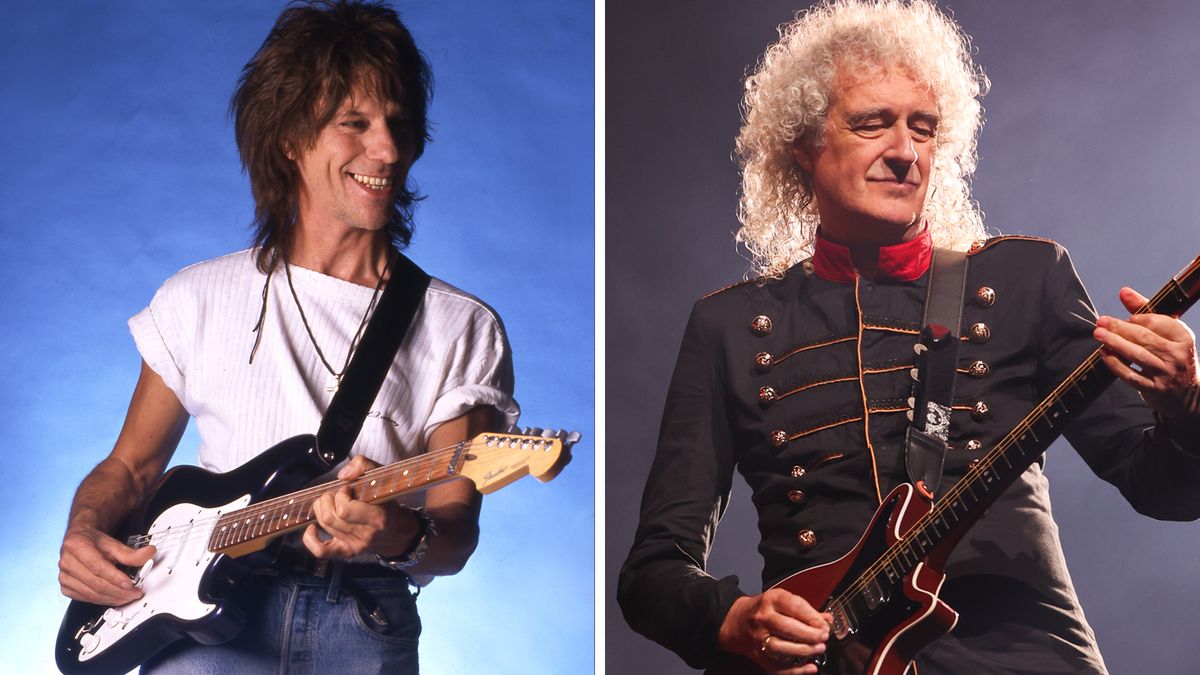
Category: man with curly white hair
<point>856,151</point>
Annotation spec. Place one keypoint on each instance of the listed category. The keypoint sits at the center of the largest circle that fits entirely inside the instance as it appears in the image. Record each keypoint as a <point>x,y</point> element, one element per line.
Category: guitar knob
<point>88,643</point>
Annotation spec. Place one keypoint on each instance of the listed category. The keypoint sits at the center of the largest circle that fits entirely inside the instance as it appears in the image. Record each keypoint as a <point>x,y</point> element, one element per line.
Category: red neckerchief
<point>905,261</point>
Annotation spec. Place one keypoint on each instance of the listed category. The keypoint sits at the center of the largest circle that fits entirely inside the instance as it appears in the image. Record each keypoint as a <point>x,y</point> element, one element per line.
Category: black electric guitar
<point>210,529</point>
<point>883,594</point>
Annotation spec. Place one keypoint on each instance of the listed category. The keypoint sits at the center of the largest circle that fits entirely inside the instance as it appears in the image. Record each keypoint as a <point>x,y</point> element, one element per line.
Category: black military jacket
<point>802,385</point>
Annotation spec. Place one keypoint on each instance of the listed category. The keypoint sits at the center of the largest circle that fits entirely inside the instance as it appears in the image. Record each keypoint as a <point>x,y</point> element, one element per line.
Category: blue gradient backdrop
<point>119,168</point>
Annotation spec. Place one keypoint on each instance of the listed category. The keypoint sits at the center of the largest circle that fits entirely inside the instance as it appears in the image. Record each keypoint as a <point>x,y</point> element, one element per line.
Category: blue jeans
<point>312,626</point>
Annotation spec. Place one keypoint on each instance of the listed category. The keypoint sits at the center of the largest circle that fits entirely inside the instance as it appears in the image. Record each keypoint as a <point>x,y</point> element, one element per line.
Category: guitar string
<point>429,460</point>
<point>986,463</point>
<point>300,498</point>
<point>165,542</point>
<point>301,495</point>
<point>504,442</point>
<point>894,552</point>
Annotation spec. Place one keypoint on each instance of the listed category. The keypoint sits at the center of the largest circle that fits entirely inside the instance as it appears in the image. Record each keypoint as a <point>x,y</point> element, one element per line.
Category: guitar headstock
<point>493,460</point>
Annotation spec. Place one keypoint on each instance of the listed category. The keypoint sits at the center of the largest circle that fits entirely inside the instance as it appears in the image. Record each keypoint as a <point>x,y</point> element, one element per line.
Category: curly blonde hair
<point>788,97</point>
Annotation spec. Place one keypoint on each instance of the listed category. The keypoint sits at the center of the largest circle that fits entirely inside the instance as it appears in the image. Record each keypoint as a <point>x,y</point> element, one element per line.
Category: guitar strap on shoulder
<point>372,359</point>
<point>935,372</point>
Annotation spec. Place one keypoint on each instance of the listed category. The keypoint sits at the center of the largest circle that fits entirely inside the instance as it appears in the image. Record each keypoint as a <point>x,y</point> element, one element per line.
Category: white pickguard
<point>170,580</point>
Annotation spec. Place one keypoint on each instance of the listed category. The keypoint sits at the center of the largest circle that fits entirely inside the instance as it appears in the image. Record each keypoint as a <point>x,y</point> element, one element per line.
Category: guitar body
<point>190,591</point>
<point>210,529</point>
<point>891,621</point>
<point>883,594</point>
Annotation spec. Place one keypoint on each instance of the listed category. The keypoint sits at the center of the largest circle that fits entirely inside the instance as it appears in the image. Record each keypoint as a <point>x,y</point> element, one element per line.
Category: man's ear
<point>803,156</point>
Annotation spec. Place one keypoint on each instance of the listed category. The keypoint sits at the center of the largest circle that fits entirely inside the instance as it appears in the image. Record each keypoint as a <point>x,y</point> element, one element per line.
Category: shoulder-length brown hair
<point>309,63</point>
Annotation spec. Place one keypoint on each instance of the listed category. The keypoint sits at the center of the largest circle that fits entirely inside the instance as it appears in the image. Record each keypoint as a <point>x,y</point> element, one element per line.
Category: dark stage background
<point>1091,140</point>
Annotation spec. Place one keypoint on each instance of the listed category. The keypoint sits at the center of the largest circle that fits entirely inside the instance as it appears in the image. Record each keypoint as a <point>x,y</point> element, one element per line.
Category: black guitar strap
<point>937,362</point>
<point>372,359</point>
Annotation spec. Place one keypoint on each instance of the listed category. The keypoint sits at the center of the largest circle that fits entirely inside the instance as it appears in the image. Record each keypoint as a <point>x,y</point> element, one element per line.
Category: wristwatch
<point>426,530</point>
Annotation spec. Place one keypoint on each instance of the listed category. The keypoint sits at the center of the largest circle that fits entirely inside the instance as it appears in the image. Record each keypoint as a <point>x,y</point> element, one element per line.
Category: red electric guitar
<point>883,594</point>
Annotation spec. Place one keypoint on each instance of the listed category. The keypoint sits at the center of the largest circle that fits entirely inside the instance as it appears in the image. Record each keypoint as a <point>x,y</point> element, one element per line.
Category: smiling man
<point>330,116</point>
<point>856,149</point>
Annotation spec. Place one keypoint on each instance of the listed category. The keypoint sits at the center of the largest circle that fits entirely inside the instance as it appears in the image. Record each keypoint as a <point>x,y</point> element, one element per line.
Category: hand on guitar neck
<point>357,527</point>
<point>777,630</point>
<point>1155,354</point>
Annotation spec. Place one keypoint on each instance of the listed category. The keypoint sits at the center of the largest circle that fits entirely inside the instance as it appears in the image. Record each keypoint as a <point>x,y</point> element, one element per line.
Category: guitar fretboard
<point>968,499</point>
<point>275,517</point>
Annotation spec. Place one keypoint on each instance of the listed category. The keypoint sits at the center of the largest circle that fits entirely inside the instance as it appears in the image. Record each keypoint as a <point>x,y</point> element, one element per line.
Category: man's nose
<point>901,152</point>
<point>382,146</point>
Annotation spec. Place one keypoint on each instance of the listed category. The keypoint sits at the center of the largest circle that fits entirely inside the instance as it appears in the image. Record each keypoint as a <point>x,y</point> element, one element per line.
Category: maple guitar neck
<point>967,500</point>
<point>489,460</point>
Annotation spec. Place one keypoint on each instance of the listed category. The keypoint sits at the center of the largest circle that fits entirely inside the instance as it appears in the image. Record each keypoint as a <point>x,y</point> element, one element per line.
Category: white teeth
<point>374,182</point>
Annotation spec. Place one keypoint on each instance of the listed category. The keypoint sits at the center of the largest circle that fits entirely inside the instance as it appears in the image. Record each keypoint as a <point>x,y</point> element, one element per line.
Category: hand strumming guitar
<point>773,629</point>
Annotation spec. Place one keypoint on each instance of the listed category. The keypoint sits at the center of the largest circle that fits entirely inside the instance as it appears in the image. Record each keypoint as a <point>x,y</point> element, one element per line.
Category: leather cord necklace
<point>337,375</point>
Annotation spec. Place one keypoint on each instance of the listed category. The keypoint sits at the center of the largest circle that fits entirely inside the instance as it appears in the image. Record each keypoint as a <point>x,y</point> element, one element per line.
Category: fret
<point>1056,415</point>
<point>971,490</point>
<point>932,526</point>
<point>277,521</point>
<point>287,513</point>
<point>1061,402</point>
<point>891,573</point>
<point>298,514</point>
<point>256,528</point>
<point>942,519</point>
<point>1004,456</point>
<point>920,547</point>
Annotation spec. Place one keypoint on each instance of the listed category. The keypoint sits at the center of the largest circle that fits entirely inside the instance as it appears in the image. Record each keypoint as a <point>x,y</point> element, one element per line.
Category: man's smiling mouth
<point>376,183</point>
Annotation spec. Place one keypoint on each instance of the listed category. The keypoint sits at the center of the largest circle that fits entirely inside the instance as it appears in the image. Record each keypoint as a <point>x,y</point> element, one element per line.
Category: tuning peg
<point>533,431</point>
<point>512,429</point>
<point>572,438</point>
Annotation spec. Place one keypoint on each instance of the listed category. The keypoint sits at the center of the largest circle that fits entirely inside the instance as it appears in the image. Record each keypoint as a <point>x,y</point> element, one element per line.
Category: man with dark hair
<point>330,115</point>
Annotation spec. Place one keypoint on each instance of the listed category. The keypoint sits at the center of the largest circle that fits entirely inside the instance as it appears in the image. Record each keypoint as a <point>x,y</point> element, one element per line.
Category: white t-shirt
<point>197,335</point>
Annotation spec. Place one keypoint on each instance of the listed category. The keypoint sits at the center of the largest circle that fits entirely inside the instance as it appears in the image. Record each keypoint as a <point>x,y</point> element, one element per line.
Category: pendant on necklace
<point>332,388</point>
